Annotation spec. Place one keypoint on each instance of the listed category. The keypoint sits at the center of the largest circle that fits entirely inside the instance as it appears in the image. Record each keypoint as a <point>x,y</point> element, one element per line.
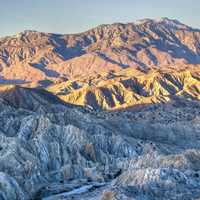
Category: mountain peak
<point>27,33</point>
<point>165,21</point>
<point>173,23</point>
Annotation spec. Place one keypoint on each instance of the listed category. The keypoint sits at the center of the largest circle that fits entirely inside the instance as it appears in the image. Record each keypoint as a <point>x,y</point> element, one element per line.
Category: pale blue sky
<point>70,16</point>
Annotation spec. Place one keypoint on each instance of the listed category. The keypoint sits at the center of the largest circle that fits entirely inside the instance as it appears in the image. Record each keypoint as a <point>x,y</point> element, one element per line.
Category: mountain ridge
<point>36,59</point>
<point>136,22</point>
<point>113,113</point>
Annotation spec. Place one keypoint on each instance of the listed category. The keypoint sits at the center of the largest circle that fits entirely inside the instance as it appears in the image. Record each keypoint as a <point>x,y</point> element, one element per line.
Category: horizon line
<point>136,22</point>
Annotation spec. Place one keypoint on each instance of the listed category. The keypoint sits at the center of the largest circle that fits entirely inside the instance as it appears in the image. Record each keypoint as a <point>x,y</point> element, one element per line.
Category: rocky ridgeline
<point>126,88</point>
<point>111,66</point>
<point>43,58</point>
<point>53,150</point>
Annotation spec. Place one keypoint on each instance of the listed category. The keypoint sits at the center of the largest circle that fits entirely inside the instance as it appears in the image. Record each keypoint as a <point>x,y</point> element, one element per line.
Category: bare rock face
<point>59,151</point>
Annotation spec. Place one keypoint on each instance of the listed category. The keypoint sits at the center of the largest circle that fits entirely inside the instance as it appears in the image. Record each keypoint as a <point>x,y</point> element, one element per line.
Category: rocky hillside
<point>109,114</point>
<point>111,66</point>
<point>51,150</point>
<point>32,56</point>
<point>128,88</point>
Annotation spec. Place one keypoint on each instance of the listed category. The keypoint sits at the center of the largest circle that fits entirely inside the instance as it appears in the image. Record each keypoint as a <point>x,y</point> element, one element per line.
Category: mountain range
<point>110,60</point>
<point>109,114</point>
<point>145,45</point>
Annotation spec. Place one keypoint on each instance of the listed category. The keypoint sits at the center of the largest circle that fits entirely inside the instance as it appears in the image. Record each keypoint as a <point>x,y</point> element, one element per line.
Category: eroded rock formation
<point>53,149</point>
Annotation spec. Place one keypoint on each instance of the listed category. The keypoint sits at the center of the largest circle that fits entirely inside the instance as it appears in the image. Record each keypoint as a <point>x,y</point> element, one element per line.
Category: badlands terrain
<point>109,114</point>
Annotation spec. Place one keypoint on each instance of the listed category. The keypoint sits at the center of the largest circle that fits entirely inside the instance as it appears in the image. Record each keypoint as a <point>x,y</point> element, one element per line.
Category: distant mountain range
<point>81,66</point>
<point>112,113</point>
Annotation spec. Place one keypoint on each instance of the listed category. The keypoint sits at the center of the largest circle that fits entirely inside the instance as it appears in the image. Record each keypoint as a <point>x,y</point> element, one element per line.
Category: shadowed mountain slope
<point>28,98</point>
